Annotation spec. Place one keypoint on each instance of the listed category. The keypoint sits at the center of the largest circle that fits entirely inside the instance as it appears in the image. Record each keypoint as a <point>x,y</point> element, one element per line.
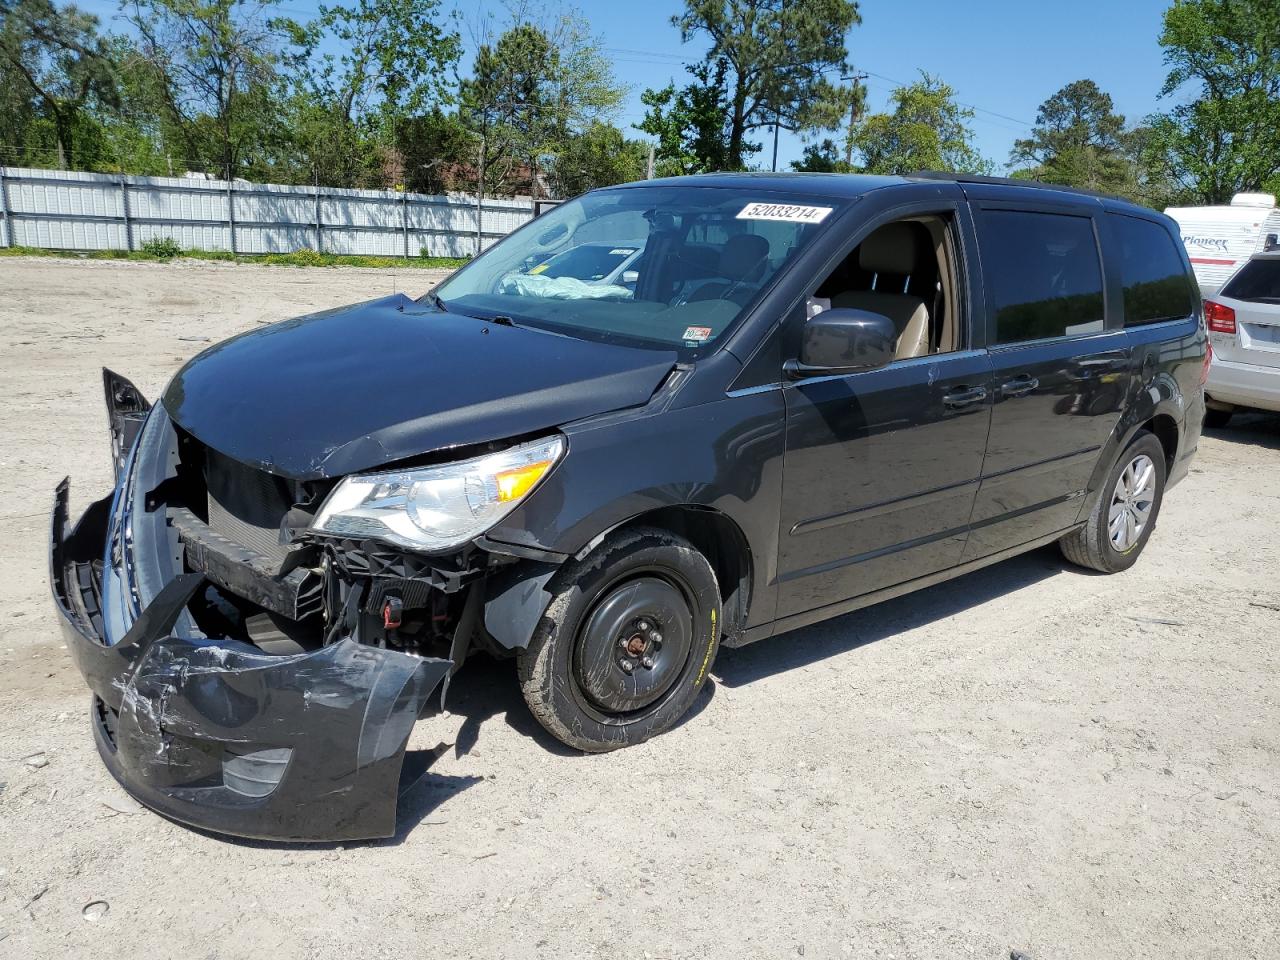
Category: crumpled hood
<point>357,387</point>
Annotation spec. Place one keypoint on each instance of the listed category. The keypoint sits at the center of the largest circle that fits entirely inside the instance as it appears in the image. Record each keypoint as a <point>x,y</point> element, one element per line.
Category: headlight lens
<point>436,508</point>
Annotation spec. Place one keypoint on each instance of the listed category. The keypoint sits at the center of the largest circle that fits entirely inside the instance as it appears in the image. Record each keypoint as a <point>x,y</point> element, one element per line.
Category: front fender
<point>725,455</point>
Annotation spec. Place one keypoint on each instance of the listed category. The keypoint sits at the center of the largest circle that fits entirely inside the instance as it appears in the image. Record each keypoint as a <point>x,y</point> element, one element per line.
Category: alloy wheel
<point>1131,502</point>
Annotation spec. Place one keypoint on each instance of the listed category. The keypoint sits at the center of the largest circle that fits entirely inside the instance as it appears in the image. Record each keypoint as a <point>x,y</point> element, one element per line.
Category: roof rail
<point>1010,182</point>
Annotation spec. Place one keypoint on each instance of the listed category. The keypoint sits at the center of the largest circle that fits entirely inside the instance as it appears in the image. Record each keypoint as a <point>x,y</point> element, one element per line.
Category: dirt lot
<point>1028,758</point>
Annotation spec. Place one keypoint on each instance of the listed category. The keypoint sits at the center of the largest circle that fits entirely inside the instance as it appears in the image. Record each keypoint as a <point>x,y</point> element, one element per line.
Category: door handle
<point>964,397</point>
<point>1019,386</point>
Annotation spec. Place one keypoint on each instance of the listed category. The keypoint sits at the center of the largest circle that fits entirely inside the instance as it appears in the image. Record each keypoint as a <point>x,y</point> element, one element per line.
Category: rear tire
<point>1122,520</point>
<point>626,643</point>
<point>1216,419</point>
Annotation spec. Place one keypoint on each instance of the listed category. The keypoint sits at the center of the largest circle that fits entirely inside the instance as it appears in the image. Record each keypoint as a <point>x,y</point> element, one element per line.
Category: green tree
<point>391,63</point>
<point>776,53</point>
<point>691,123</point>
<point>438,152</point>
<point>598,157</point>
<point>927,130</point>
<point>1227,137</point>
<point>1078,140</point>
<point>61,61</point>
<point>503,102</point>
<point>531,91</point>
<point>822,157</point>
<point>212,67</point>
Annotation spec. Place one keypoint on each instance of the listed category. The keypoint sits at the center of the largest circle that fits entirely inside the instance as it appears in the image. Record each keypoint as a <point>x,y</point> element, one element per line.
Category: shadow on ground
<point>488,688</point>
<point>800,648</point>
<point>1256,428</point>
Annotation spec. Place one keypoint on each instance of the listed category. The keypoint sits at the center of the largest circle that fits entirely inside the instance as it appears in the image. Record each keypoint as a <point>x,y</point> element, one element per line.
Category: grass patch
<point>302,258</point>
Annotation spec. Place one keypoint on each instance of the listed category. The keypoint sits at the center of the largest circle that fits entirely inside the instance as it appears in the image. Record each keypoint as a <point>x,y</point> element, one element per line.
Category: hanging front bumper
<point>217,734</point>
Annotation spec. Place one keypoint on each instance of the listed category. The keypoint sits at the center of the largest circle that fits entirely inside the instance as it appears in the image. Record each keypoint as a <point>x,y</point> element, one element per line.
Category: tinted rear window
<point>1258,280</point>
<point>1043,274</point>
<point>1156,286</point>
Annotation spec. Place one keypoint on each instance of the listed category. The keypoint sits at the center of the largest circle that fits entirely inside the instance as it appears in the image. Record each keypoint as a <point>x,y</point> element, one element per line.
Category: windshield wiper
<point>437,302</point>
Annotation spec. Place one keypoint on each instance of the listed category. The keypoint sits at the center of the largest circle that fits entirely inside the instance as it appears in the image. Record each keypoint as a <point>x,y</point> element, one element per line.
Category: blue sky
<point>1003,57</point>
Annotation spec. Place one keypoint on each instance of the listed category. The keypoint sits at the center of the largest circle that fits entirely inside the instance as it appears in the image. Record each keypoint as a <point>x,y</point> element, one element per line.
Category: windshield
<point>661,266</point>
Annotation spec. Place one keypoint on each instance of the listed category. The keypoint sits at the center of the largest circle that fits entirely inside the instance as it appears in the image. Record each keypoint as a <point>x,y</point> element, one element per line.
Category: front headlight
<point>435,508</point>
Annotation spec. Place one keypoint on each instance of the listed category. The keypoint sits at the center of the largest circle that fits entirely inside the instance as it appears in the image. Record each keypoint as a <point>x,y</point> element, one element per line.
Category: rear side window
<point>1258,281</point>
<point>1043,274</point>
<point>1156,286</point>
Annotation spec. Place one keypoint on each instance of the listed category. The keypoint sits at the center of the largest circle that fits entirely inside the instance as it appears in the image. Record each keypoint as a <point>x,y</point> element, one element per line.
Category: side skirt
<point>818,614</point>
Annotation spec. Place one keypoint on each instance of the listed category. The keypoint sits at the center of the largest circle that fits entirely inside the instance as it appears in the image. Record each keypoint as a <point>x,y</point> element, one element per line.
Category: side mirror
<point>630,276</point>
<point>843,340</point>
<point>1272,243</point>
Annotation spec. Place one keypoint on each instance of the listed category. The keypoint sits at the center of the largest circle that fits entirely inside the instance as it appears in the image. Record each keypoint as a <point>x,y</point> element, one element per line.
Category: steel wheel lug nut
<point>647,662</point>
<point>626,666</point>
<point>656,637</point>
<point>642,625</point>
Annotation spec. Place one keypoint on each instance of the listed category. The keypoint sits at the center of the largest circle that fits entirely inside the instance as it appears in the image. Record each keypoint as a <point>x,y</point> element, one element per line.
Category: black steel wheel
<point>626,643</point>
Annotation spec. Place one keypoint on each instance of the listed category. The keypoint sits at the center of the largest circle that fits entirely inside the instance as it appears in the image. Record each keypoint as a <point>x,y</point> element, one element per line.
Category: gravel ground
<point>1029,758</point>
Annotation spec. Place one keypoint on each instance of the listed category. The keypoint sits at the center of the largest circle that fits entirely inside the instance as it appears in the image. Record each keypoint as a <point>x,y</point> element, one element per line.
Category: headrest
<point>890,249</point>
<point>743,257</point>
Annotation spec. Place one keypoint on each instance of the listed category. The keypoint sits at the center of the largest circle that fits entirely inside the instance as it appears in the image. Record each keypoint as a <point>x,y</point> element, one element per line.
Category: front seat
<point>891,249</point>
<point>742,261</point>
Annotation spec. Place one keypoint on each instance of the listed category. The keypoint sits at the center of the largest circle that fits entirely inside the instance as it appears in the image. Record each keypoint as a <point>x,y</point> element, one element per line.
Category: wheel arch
<point>717,537</point>
<point>1163,419</point>
<point>1165,428</point>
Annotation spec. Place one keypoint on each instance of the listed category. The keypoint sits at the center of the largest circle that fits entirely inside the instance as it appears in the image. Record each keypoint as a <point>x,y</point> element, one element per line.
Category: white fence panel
<point>92,211</point>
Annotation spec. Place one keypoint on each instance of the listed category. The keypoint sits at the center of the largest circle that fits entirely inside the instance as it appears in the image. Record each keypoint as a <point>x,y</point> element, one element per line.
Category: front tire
<point>626,643</point>
<point>1125,515</point>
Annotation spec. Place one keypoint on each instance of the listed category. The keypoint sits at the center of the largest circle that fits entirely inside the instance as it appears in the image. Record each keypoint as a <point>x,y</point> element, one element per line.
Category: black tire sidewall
<point>1114,560</point>
<point>546,665</point>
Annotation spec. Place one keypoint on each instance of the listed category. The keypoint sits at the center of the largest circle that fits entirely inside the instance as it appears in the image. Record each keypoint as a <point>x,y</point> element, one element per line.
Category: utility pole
<point>774,166</point>
<point>857,79</point>
<point>648,173</point>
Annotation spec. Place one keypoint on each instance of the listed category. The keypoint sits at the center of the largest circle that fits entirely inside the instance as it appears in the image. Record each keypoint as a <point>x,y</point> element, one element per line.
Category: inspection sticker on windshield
<point>697,334</point>
<point>786,212</point>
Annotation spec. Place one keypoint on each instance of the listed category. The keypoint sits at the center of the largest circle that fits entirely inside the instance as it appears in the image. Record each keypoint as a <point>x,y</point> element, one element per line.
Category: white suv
<point>1244,331</point>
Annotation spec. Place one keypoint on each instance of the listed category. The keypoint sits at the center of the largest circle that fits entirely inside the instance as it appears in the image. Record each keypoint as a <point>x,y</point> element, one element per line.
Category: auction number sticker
<point>785,212</point>
<point>697,334</point>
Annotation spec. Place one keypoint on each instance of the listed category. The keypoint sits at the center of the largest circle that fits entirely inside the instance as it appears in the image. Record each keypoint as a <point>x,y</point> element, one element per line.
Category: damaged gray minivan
<point>776,399</point>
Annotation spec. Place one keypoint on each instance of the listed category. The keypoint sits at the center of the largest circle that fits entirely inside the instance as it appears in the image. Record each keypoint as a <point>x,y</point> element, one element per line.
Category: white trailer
<point>1218,239</point>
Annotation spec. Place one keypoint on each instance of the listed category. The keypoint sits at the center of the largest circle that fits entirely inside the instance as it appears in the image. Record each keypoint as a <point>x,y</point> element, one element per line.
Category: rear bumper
<point>219,735</point>
<point>1244,384</point>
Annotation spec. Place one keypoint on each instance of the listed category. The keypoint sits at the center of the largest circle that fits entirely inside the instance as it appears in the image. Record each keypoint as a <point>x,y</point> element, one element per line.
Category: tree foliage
<point>59,57</point>
<point>927,130</point>
<point>822,157</point>
<point>597,157</point>
<point>691,123</point>
<point>347,107</point>
<point>532,91</point>
<point>209,67</point>
<point>1226,138</point>
<point>775,54</point>
<point>1080,141</point>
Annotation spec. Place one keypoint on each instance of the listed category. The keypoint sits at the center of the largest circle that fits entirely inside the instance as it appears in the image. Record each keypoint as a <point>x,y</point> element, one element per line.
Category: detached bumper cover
<point>219,735</point>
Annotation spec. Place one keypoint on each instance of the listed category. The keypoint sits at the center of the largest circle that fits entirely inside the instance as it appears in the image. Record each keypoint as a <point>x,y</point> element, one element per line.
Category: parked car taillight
<point>1221,319</point>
